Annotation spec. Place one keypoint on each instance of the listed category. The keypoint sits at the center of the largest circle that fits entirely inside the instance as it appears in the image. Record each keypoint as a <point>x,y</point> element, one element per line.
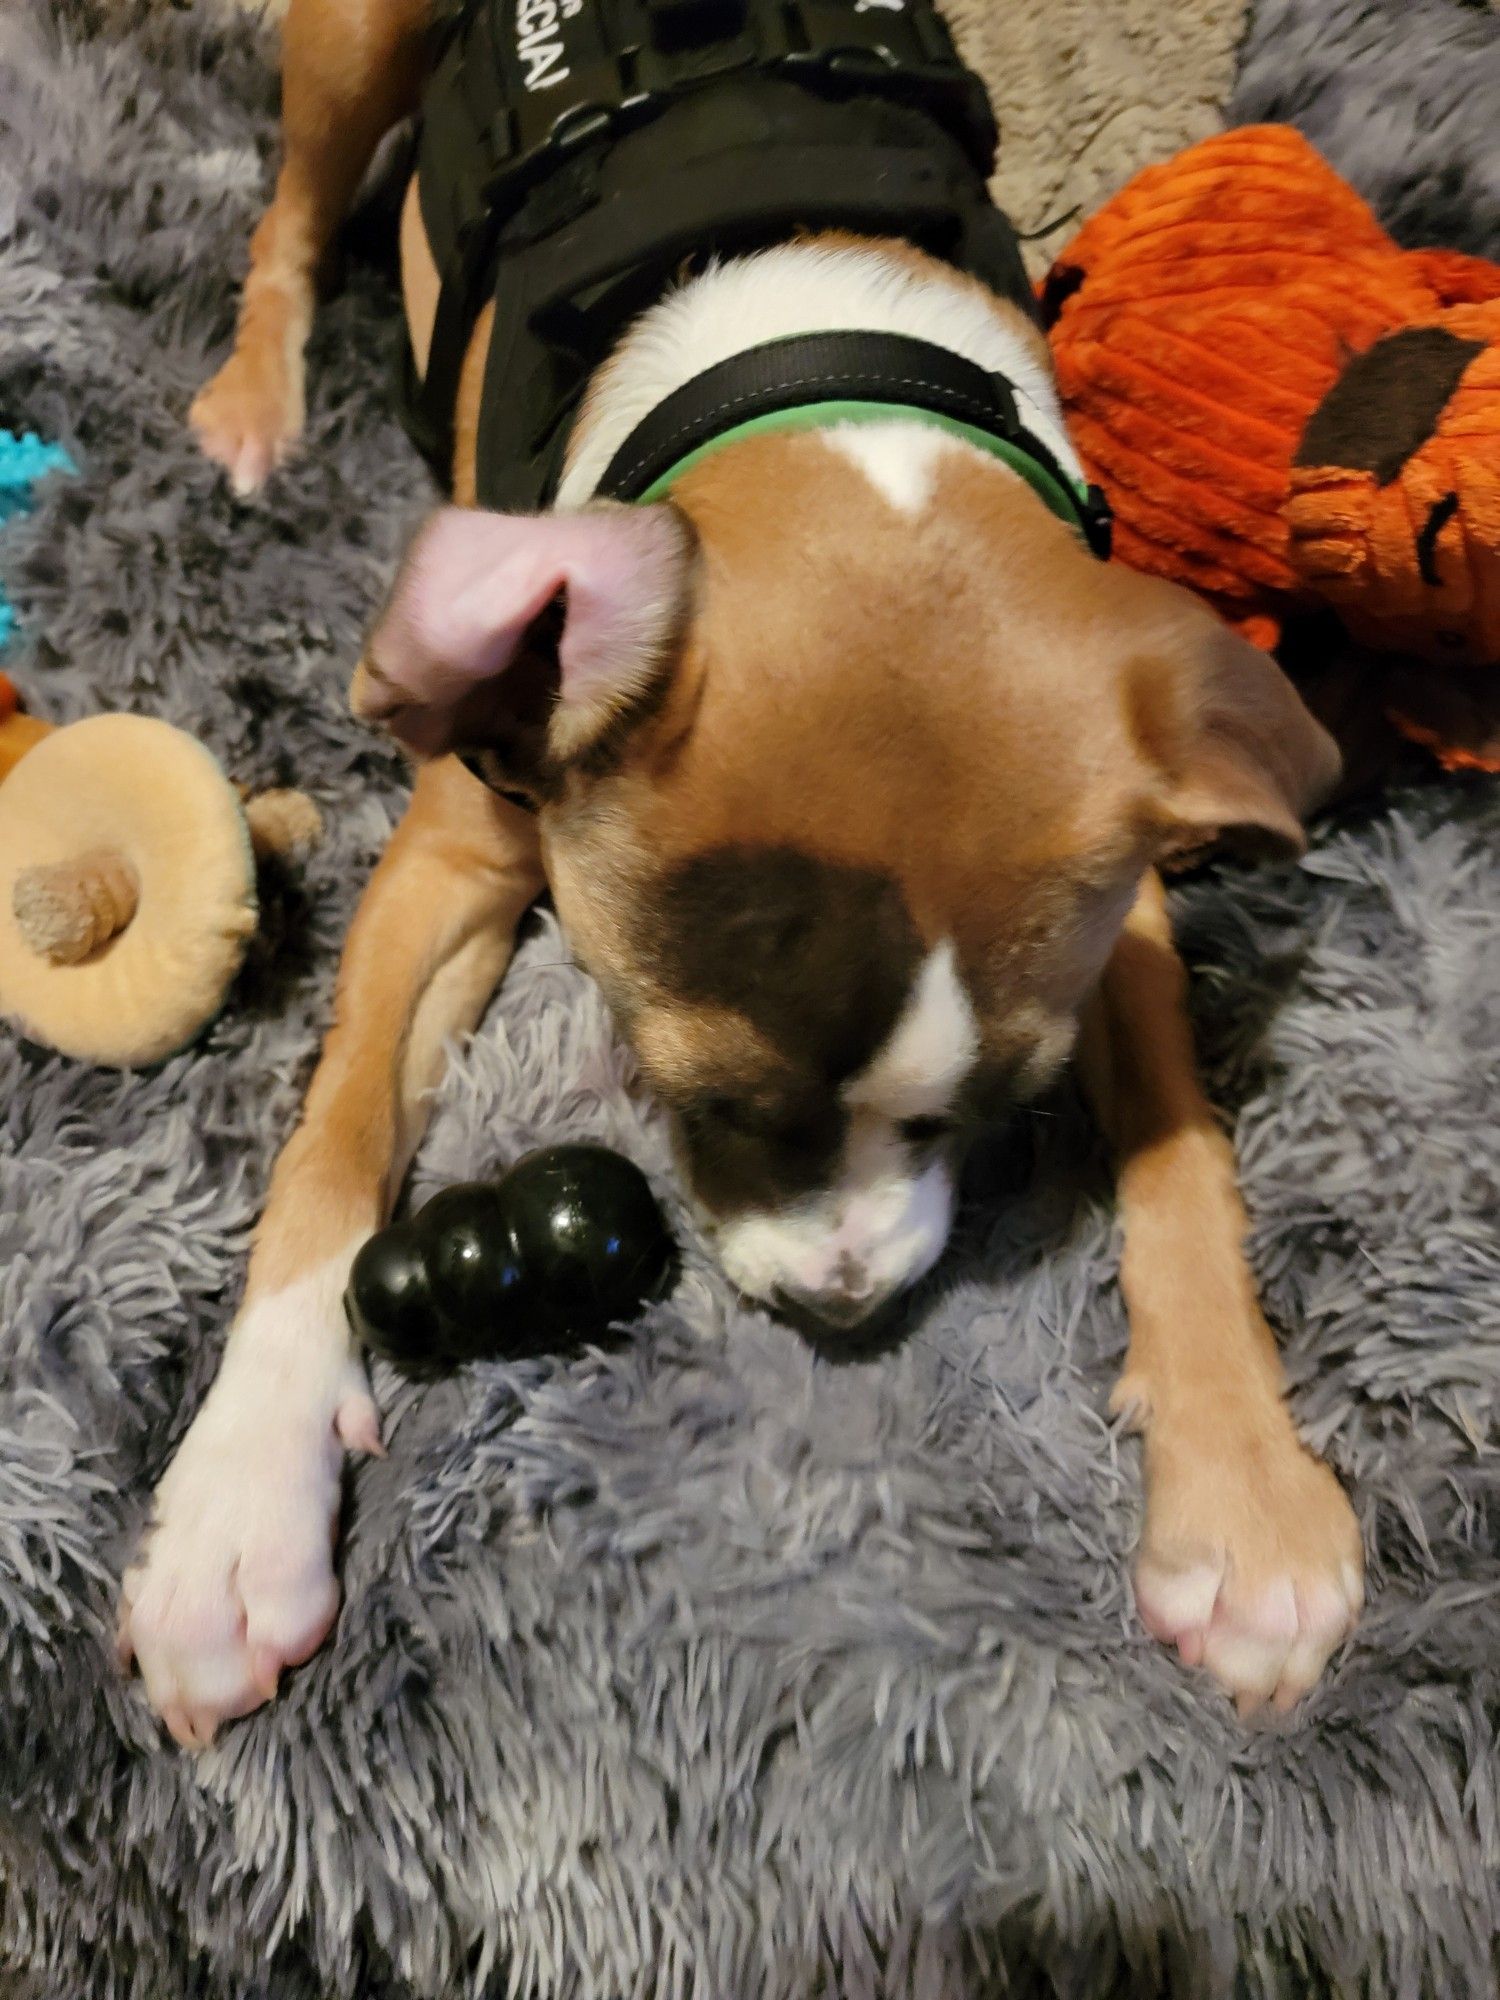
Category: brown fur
<point>968,702</point>
<point>818,710</point>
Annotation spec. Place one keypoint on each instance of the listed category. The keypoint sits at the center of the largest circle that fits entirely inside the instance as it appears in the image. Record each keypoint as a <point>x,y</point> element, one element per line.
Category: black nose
<point>840,1313</point>
<point>826,1320</point>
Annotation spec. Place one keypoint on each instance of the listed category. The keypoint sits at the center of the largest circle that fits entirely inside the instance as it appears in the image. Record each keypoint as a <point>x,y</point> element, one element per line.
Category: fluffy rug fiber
<point>1402,95</point>
<point>693,1668</point>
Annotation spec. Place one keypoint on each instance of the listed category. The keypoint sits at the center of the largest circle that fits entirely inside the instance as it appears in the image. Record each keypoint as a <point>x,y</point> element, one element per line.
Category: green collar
<point>1067,498</point>
<point>813,381</point>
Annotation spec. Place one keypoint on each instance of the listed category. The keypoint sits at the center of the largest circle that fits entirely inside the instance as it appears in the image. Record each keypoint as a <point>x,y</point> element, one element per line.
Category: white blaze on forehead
<point>898,459</point>
<point>927,1055</point>
<point>885,1216</point>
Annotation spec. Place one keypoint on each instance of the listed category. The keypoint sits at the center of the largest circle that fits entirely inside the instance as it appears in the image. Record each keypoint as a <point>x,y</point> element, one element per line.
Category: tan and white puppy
<point>850,769</point>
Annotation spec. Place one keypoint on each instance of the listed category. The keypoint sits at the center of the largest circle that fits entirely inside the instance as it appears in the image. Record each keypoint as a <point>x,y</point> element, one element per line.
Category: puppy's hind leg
<point>236,1580</point>
<point>351,69</point>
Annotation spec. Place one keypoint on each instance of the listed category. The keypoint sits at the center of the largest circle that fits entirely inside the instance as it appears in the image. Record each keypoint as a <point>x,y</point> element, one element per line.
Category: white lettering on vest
<point>541,53</point>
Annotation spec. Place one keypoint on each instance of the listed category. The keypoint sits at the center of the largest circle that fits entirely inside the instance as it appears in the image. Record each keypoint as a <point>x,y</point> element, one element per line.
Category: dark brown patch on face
<point>886,730</point>
<point>761,1148</point>
<point>1386,404</point>
<point>818,957</point>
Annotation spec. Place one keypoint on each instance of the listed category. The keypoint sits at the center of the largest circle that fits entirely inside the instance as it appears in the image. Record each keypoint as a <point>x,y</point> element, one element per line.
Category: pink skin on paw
<point>248,457</point>
<point>1176,1605</point>
<point>1265,1609</point>
<point>1265,1647</point>
<point>357,1425</point>
<point>235,1582</point>
<point>247,419</point>
<point>214,1618</point>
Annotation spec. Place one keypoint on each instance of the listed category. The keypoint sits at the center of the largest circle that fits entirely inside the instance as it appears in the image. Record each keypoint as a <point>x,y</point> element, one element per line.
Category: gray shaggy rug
<point>1402,95</point>
<point>695,1668</point>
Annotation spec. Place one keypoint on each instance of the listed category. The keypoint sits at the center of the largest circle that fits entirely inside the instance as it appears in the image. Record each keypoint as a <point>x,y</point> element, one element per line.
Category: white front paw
<point>235,1580</point>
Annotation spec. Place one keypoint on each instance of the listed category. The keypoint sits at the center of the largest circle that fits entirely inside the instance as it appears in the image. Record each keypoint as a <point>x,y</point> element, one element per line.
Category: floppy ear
<point>524,636</point>
<point>1240,759</point>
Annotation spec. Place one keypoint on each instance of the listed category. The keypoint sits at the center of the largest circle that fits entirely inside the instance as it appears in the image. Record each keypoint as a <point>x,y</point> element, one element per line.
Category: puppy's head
<point>848,764</point>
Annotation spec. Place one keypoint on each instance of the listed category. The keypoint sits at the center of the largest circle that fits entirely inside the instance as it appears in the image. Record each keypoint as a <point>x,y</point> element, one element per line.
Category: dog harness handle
<point>576,156</point>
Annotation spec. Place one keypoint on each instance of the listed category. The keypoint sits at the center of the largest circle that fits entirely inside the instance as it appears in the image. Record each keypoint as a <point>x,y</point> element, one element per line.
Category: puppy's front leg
<point>235,1581</point>
<point>1250,1558</point>
<point>350,70</point>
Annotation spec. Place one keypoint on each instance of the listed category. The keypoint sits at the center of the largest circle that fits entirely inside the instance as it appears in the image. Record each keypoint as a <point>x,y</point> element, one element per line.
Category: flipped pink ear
<point>468,594</point>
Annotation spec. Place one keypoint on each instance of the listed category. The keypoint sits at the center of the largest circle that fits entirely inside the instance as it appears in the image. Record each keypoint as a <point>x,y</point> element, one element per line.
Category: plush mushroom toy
<point>127,881</point>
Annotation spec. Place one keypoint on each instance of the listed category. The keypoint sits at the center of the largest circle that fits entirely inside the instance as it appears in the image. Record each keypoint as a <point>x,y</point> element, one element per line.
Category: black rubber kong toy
<point>566,1244</point>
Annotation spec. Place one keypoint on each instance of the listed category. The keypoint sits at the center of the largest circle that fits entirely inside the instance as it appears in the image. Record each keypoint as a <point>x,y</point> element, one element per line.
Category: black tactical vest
<point>577,157</point>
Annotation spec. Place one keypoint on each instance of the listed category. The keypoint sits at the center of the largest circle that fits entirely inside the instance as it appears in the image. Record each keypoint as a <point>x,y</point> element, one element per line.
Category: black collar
<point>813,379</point>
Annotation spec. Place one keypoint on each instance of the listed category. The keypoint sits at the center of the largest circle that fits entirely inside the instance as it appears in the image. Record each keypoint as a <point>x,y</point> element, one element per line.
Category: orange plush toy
<point>1288,412</point>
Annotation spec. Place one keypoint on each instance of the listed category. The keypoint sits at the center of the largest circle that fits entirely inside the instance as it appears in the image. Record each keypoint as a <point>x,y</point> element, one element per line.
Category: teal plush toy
<point>24,460</point>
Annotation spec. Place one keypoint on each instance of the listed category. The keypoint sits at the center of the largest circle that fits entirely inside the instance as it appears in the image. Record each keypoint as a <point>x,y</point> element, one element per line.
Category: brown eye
<point>737,1112</point>
<point>795,1128</point>
<point>925,1131</point>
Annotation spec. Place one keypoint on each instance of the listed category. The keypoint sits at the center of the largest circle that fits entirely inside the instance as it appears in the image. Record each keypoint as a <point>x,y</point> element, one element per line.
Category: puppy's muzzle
<point>855,1311</point>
